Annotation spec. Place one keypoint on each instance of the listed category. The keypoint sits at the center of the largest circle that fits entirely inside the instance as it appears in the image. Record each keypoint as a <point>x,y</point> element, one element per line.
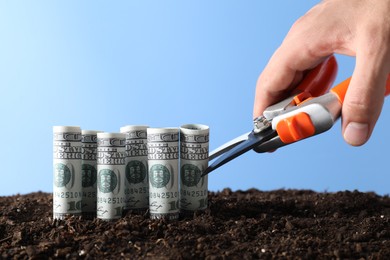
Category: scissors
<point>310,110</point>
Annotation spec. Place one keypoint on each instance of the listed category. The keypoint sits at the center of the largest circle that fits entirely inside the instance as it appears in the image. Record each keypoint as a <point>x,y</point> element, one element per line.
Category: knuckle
<point>356,105</point>
<point>361,110</point>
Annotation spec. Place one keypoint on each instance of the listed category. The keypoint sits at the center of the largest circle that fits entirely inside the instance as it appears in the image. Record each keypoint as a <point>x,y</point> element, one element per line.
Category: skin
<point>358,28</point>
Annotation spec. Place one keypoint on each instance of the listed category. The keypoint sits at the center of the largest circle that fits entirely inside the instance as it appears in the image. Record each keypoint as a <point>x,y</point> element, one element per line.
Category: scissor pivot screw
<point>260,124</point>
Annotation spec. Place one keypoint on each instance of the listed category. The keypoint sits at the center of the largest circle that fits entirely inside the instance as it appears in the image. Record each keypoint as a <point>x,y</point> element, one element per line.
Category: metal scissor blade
<point>228,146</point>
<point>253,141</point>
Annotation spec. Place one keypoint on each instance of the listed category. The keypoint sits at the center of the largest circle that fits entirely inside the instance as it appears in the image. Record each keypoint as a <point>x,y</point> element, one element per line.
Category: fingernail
<point>356,133</point>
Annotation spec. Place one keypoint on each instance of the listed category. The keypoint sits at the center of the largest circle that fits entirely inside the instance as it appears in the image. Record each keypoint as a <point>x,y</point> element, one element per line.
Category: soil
<point>250,224</point>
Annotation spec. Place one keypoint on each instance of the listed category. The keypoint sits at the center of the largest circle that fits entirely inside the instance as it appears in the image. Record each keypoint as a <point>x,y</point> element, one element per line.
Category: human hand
<point>358,28</point>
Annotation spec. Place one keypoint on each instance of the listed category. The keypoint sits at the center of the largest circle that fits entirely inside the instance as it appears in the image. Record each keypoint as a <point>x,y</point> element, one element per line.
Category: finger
<point>272,83</point>
<point>304,47</point>
<point>283,73</point>
<point>364,98</point>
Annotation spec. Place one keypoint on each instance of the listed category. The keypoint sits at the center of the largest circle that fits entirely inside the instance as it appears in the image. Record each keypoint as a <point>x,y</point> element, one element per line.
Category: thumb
<point>364,99</point>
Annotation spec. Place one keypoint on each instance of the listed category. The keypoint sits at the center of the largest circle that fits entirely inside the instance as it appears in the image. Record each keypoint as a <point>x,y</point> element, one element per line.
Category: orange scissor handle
<point>300,126</point>
<point>319,80</point>
<point>295,128</point>
<point>341,89</point>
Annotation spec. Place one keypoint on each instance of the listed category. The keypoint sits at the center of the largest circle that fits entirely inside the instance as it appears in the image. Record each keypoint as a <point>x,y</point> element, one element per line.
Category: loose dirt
<point>237,225</point>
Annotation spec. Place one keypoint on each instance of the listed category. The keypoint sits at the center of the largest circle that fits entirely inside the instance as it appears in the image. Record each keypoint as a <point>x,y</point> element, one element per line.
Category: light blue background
<point>105,64</point>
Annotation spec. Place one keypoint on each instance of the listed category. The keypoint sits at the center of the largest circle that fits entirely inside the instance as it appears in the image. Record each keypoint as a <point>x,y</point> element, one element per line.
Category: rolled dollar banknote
<point>89,172</point>
<point>137,181</point>
<point>163,163</point>
<point>111,156</point>
<point>194,151</point>
<point>67,191</point>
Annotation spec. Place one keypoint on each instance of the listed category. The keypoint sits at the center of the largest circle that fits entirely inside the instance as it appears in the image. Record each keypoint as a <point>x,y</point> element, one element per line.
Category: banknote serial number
<point>194,193</point>
<point>67,194</point>
<point>163,195</point>
<point>114,200</point>
<point>89,194</point>
<point>141,190</point>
